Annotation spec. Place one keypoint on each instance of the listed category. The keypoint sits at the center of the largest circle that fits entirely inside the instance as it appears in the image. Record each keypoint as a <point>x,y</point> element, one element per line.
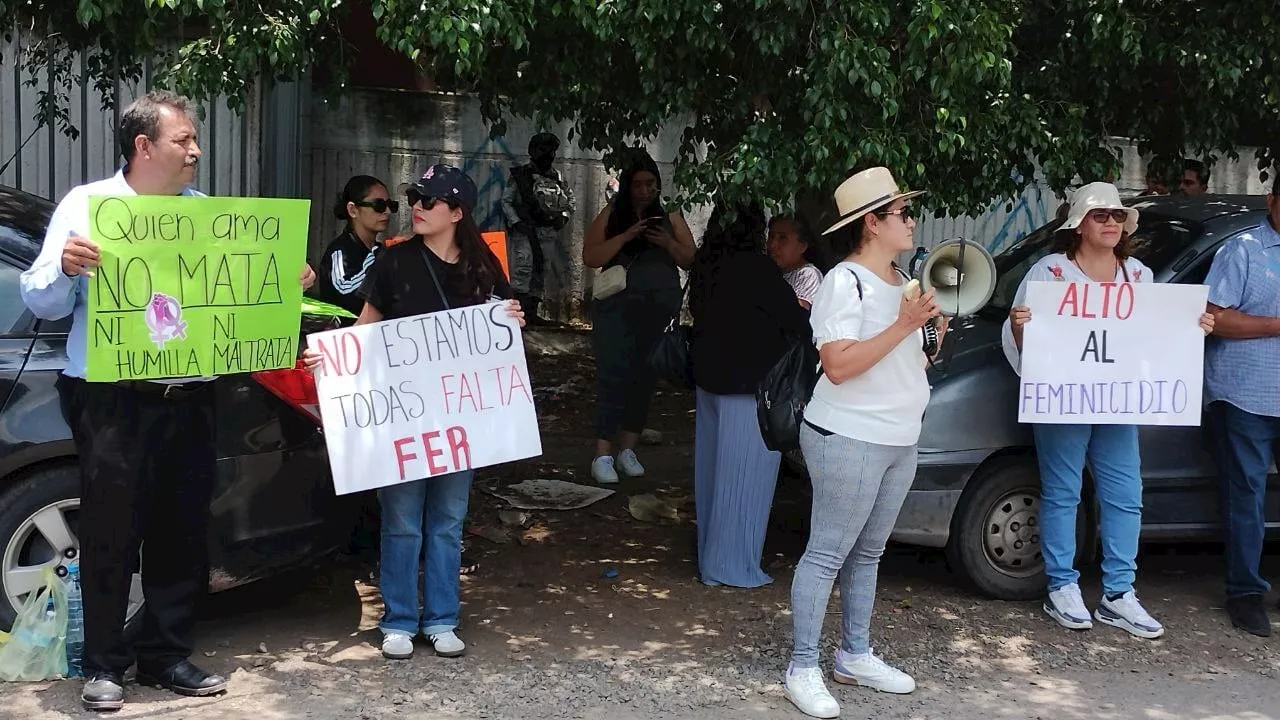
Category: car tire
<point>48,488</point>
<point>995,538</point>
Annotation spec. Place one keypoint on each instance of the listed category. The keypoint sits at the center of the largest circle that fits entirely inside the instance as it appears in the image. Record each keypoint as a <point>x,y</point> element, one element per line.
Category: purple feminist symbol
<point>164,320</point>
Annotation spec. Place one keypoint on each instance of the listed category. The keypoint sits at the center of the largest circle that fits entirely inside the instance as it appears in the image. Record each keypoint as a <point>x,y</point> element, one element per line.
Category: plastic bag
<point>36,649</point>
<point>783,393</point>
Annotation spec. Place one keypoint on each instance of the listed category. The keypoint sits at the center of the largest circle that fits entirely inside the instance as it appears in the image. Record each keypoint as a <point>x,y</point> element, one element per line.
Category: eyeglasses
<point>428,201</point>
<point>1101,216</point>
<point>904,212</point>
<point>380,205</point>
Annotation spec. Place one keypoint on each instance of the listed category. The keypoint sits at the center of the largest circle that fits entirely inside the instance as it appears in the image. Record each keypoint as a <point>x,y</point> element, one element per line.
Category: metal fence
<point>41,159</point>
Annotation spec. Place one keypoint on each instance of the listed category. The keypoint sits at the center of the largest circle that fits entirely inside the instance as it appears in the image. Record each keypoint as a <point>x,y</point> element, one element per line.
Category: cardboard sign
<point>423,396</point>
<point>1113,354</point>
<point>194,286</point>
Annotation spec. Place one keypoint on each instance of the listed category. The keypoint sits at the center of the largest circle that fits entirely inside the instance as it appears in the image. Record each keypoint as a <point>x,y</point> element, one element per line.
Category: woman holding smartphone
<point>636,235</point>
<point>444,265</point>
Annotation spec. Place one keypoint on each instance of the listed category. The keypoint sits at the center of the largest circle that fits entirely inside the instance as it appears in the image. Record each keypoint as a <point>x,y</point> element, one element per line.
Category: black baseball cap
<point>446,182</point>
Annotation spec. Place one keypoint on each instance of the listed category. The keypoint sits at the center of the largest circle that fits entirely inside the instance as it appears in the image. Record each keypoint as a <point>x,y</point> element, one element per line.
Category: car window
<point>1199,271</point>
<point>13,313</point>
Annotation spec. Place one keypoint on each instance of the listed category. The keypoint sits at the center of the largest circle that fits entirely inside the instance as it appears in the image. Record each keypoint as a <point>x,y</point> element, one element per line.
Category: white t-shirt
<point>885,404</point>
<point>1058,267</point>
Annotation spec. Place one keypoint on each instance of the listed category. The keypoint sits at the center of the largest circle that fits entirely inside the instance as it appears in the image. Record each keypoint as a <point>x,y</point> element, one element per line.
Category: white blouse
<point>884,405</point>
<point>1058,267</point>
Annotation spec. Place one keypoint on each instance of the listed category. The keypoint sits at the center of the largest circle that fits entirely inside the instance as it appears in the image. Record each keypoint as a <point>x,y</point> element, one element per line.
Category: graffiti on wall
<point>489,165</point>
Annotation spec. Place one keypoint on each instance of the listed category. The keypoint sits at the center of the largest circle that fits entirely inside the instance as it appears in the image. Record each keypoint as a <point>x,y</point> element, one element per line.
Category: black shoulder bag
<point>671,358</point>
<point>784,392</point>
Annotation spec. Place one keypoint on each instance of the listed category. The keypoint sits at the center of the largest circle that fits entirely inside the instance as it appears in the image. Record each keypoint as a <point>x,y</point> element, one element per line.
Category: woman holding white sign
<point>859,434</point>
<point>444,265</point>
<point>1092,246</point>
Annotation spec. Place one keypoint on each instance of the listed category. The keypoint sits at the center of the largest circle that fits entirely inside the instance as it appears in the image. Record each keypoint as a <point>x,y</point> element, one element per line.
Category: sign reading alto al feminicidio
<point>194,286</point>
<point>1113,354</point>
<point>423,396</point>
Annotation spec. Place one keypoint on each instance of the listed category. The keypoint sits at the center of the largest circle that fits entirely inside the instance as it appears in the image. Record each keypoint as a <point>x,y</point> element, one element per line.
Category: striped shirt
<point>805,280</point>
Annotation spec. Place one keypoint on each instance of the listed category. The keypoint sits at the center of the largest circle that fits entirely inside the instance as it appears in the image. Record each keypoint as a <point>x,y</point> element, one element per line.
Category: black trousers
<point>146,474</point>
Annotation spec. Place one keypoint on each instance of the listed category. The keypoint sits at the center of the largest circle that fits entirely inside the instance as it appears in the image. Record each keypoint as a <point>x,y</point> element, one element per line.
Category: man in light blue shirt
<point>1242,364</point>
<point>146,448</point>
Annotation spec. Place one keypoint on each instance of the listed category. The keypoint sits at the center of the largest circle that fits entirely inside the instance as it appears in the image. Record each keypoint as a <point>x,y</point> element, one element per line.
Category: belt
<point>168,391</point>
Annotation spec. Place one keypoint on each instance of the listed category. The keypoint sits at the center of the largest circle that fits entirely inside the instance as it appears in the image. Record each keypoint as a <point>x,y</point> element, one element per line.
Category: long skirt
<point>734,479</point>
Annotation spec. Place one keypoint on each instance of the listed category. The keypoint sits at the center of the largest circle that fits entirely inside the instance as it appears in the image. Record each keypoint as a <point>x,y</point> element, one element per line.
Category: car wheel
<point>39,516</point>
<point>995,532</point>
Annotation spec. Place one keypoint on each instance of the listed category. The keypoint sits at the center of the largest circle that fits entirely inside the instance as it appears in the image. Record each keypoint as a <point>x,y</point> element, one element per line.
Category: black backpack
<point>785,391</point>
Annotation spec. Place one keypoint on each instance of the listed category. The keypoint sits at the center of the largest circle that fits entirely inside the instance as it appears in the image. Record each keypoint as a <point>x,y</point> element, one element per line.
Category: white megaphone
<point>962,275</point>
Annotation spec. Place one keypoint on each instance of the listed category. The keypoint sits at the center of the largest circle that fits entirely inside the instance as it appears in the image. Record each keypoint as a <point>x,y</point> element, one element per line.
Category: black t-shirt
<point>400,285</point>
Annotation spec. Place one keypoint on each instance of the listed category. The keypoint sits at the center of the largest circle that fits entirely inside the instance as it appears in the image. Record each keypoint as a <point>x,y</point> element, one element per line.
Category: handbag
<point>783,394</point>
<point>611,281</point>
<point>671,358</point>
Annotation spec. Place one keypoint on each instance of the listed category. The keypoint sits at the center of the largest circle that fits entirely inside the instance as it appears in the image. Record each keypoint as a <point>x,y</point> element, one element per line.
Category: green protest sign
<point>194,286</point>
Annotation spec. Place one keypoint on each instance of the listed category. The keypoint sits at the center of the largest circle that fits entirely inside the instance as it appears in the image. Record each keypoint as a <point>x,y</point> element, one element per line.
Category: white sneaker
<point>397,645</point>
<point>806,690</point>
<point>629,464</point>
<point>1067,607</point>
<point>872,672</point>
<point>602,470</point>
<point>1126,613</point>
<point>447,644</point>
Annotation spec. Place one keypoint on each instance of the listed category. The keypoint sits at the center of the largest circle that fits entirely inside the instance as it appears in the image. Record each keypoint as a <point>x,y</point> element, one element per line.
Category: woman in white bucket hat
<point>859,434</point>
<point>1092,246</point>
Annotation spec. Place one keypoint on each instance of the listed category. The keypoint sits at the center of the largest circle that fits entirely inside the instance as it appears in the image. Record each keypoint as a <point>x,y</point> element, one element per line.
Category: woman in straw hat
<point>859,434</point>
<point>1092,246</point>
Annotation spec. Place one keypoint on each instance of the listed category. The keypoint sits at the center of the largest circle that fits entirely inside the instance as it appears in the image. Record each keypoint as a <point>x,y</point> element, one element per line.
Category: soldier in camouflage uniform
<point>538,204</point>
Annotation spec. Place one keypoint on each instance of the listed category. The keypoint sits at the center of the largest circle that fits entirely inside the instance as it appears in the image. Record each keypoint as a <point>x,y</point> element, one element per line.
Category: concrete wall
<point>395,135</point>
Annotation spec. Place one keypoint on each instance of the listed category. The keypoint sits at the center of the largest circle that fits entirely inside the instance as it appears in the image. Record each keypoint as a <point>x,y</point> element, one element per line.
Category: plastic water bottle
<point>75,622</point>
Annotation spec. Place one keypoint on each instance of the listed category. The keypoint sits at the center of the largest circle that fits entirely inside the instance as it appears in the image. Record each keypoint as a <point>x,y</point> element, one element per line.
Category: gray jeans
<point>858,489</point>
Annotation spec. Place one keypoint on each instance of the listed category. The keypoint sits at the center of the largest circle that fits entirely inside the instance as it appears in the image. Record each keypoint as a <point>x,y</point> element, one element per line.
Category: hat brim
<point>848,218</point>
<point>1130,224</point>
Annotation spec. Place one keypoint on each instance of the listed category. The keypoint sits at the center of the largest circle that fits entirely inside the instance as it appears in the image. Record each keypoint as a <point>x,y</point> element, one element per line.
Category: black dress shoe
<point>103,691</point>
<point>184,679</point>
<point>1249,613</point>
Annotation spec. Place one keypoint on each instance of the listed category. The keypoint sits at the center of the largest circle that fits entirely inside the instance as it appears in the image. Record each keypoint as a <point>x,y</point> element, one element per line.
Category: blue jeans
<point>422,521</point>
<point>1112,454</point>
<point>1243,448</point>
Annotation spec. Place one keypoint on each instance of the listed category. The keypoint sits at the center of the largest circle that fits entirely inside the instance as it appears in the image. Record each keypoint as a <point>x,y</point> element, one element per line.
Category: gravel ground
<point>554,633</point>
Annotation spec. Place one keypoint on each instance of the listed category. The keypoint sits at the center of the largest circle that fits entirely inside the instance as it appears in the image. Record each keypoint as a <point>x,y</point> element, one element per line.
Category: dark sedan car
<point>273,505</point>
<point>977,489</point>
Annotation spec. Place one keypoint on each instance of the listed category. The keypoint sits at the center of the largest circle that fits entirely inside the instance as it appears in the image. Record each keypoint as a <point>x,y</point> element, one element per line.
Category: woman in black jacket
<point>365,207</point>
<point>745,316</point>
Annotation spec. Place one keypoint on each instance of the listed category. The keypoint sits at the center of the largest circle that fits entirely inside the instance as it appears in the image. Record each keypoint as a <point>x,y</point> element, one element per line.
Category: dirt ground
<point>554,633</point>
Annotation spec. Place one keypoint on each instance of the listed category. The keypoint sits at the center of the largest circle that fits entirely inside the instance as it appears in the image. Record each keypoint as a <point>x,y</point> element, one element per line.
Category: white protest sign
<point>423,396</point>
<point>1112,354</point>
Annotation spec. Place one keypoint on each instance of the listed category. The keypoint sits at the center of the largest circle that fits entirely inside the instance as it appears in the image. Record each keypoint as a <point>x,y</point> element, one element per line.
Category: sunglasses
<point>1101,216</point>
<point>380,205</point>
<point>904,212</point>
<point>428,201</point>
